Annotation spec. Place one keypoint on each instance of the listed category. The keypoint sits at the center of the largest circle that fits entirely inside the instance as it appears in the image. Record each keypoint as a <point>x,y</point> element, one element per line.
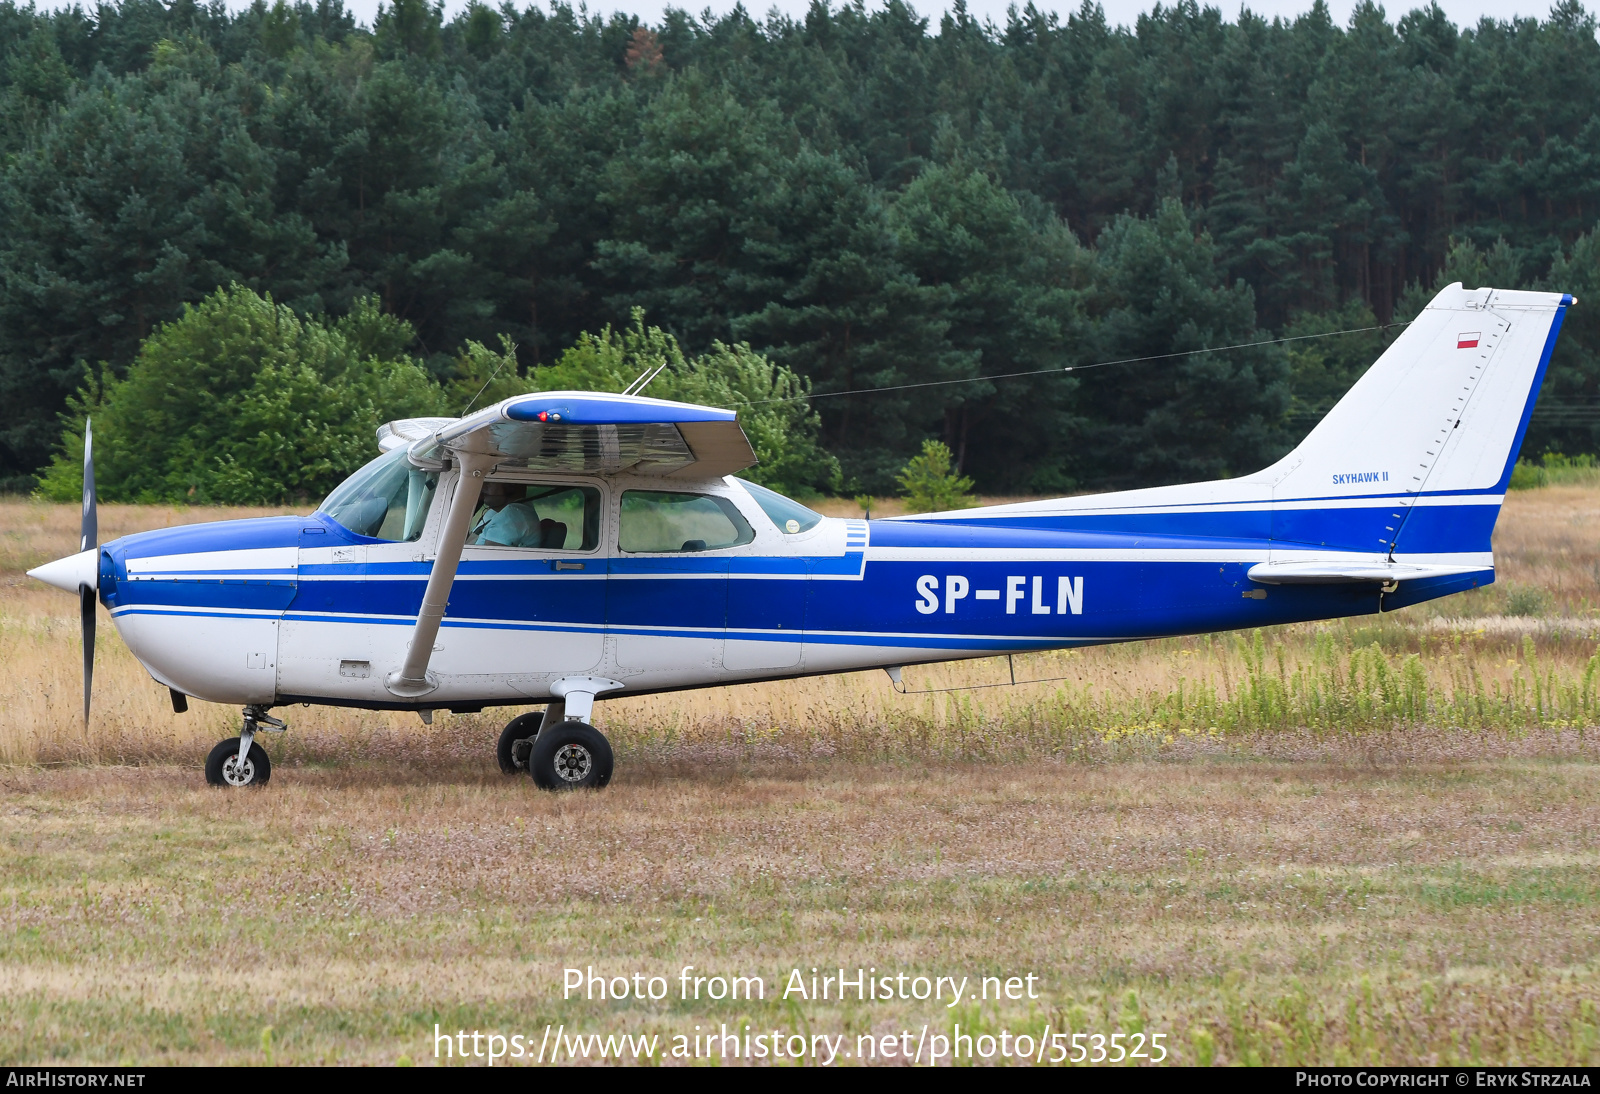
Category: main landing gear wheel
<point>516,741</point>
<point>224,769</point>
<point>570,756</point>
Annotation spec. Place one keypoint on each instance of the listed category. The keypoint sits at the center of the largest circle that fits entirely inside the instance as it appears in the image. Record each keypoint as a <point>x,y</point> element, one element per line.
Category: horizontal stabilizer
<point>1348,573</point>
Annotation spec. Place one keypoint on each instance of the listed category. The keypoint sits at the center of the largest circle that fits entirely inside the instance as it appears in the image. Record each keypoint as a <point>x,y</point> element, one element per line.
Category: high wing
<point>578,431</point>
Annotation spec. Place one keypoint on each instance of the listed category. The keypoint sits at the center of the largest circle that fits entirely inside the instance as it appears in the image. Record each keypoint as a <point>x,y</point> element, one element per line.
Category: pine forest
<point>927,226</point>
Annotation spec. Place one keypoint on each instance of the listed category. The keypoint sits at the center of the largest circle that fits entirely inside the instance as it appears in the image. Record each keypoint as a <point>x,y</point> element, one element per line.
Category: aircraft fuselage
<point>299,609</point>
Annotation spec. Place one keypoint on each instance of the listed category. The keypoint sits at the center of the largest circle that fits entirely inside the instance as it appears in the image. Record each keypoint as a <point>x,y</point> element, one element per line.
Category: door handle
<point>557,565</point>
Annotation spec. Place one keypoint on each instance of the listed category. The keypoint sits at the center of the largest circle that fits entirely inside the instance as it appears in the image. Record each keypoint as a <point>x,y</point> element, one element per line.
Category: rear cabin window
<point>658,522</point>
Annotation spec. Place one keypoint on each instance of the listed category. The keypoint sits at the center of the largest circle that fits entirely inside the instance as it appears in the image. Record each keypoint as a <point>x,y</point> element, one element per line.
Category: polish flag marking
<point>1468,341</point>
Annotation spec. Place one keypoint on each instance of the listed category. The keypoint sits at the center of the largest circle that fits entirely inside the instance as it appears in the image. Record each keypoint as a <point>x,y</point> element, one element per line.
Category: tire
<point>570,756</point>
<point>524,727</point>
<point>220,769</point>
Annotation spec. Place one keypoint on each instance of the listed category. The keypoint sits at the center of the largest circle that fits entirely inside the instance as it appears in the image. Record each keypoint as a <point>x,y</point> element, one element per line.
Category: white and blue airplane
<point>563,547</point>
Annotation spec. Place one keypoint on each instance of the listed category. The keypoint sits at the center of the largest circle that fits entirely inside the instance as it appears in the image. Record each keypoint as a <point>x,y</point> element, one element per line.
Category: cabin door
<point>530,594</point>
<point>667,600</point>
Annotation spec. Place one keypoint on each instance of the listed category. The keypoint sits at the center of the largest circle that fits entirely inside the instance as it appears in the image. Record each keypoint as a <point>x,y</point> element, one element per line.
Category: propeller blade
<point>86,598</point>
<point>91,518</point>
<point>90,540</point>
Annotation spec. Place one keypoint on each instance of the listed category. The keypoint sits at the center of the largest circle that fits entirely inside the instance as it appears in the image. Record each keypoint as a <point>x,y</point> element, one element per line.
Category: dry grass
<point>1305,864</point>
<point>1332,912</point>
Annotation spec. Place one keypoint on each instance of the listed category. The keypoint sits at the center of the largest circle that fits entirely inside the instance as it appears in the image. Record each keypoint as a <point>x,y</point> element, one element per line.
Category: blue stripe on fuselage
<point>1120,601</point>
<point>1430,529</point>
<point>782,598</point>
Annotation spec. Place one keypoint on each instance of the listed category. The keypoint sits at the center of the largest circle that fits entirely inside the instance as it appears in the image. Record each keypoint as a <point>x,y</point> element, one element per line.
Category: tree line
<point>243,402</point>
<point>895,214</point>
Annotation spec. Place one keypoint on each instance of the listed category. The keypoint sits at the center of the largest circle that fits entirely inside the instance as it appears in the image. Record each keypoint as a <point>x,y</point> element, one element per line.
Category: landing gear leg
<point>239,761</point>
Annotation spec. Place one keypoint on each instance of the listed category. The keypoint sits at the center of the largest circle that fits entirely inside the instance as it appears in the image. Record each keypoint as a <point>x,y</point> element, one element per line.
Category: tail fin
<point>1430,433</point>
<point>1414,461</point>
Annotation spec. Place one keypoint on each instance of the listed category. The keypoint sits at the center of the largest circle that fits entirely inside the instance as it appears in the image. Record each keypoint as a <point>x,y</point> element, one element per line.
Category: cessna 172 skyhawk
<point>565,546</point>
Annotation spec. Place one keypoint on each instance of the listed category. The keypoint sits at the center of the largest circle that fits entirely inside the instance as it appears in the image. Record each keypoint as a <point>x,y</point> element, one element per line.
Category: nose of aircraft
<point>71,572</point>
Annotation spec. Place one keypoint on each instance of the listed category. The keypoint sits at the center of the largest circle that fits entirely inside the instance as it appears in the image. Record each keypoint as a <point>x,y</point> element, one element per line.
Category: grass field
<point>1360,842</point>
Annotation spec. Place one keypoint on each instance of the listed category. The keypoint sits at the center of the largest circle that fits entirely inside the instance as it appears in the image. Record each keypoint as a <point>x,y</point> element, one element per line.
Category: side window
<point>789,515</point>
<point>654,521</point>
<point>550,518</point>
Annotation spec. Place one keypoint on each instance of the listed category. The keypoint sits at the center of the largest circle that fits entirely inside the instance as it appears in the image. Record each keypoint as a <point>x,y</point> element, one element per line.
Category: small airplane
<point>563,547</point>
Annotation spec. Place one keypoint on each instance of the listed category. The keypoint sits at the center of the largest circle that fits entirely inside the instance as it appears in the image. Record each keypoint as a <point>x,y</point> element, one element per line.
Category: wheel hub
<point>236,774</point>
<point>573,763</point>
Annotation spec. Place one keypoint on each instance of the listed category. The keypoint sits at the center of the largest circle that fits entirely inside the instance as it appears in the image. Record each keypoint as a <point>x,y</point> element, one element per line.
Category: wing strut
<point>412,681</point>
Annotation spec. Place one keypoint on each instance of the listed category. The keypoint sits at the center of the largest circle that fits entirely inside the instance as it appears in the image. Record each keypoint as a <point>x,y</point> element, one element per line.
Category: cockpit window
<point>387,499</point>
<point>550,518</point>
<point>789,515</point>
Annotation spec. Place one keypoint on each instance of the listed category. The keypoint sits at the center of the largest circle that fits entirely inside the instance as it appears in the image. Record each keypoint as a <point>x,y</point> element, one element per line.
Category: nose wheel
<point>223,767</point>
<point>239,761</point>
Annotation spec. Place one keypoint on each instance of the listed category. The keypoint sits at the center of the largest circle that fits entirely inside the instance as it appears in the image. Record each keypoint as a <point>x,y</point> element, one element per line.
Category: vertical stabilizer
<point>1412,464</point>
<point>1415,458</point>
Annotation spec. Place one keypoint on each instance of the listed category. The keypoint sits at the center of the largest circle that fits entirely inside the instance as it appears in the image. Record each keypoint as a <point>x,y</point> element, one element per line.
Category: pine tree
<point>930,485</point>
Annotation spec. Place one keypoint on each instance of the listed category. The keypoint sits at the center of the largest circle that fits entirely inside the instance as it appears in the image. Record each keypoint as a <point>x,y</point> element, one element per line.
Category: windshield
<point>387,499</point>
<point>789,515</point>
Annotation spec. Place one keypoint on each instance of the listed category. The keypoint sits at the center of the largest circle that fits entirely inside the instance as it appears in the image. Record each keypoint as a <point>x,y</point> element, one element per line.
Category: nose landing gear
<point>239,761</point>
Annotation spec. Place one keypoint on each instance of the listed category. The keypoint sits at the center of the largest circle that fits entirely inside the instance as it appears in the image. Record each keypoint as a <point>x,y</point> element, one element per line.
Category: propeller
<point>89,541</point>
